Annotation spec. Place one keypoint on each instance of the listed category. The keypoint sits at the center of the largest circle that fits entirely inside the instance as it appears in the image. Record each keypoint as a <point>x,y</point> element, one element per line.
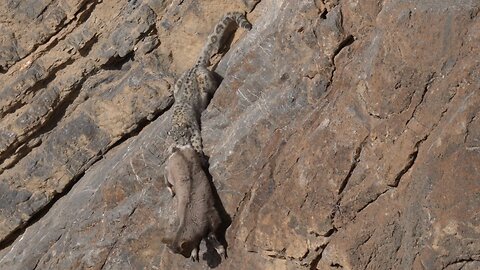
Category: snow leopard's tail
<point>216,37</point>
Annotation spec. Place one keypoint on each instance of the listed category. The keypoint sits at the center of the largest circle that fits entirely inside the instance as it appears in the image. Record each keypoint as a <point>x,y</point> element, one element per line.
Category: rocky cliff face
<point>344,135</point>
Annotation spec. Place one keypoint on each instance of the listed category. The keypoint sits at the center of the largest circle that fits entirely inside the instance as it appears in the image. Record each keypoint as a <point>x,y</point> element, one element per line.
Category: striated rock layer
<point>344,135</point>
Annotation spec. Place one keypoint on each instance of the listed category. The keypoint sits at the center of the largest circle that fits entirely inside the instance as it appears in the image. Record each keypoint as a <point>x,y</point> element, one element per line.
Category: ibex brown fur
<point>197,218</point>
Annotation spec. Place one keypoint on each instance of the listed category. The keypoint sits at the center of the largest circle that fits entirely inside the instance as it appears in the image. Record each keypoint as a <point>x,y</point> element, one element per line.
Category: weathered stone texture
<point>344,135</point>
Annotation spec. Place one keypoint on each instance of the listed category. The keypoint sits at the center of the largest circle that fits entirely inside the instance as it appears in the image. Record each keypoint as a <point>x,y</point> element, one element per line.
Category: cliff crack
<point>112,246</point>
<point>315,261</point>
<point>85,7</point>
<point>343,44</point>
<point>45,79</point>
<point>51,245</point>
<point>40,213</point>
<point>460,261</point>
<point>40,14</point>
<point>83,14</point>
<point>372,200</point>
<point>38,85</point>
<point>251,4</point>
<point>57,113</point>
<point>355,161</point>
<point>467,128</point>
<point>430,80</point>
<point>336,265</point>
<point>411,160</point>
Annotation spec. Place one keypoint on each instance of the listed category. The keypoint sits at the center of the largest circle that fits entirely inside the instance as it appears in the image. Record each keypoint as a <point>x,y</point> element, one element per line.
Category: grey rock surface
<point>344,135</point>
